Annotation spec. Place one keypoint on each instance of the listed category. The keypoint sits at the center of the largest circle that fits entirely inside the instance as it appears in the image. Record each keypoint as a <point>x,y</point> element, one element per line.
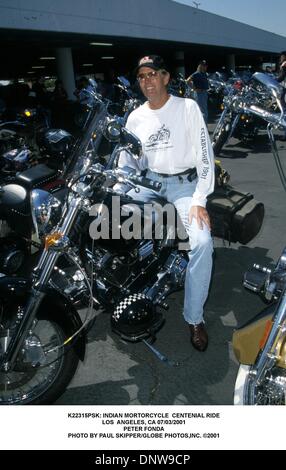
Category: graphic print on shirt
<point>160,138</point>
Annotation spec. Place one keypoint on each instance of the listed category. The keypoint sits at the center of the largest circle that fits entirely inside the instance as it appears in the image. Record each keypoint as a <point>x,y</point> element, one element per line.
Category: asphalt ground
<point>118,373</point>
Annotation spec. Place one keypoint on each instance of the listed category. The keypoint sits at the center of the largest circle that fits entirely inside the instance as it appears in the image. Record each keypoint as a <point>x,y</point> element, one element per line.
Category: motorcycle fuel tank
<point>121,224</point>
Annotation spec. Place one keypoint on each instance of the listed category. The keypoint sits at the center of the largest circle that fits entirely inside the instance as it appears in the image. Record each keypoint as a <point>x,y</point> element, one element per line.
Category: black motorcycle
<point>42,335</point>
<point>16,228</point>
<point>21,171</point>
<point>180,87</point>
<point>22,127</point>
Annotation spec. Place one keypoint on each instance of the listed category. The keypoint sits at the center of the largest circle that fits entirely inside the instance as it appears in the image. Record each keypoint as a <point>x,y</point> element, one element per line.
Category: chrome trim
<point>267,357</point>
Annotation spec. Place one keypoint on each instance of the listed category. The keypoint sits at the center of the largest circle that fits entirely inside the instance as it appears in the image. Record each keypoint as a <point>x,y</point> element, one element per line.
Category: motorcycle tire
<point>270,392</point>
<point>220,139</point>
<point>42,372</point>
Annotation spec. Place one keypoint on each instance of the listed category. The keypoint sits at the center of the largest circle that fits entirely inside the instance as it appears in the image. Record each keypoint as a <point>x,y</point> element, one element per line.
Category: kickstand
<point>161,356</point>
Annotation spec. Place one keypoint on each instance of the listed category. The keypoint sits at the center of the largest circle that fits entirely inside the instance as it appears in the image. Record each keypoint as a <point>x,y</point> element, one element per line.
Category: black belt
<point>191,172</point>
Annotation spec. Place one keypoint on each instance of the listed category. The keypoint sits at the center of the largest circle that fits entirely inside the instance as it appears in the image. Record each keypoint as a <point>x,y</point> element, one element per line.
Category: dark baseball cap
<point>203,62</point>
<point>153,61</point>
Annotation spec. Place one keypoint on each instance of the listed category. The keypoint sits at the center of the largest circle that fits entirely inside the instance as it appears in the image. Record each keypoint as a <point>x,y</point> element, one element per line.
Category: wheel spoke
<point>273,388</point>
<point>27,381</point>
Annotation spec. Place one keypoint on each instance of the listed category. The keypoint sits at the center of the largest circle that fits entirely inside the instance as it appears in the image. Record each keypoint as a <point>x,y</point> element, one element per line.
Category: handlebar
<point>126,175</point>
<point>278,119</point>
<point>245,102</point>
<point>146,182</point>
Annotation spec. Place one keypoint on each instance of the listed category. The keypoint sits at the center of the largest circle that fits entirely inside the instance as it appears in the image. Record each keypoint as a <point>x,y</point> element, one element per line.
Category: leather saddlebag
<point>235,216</point>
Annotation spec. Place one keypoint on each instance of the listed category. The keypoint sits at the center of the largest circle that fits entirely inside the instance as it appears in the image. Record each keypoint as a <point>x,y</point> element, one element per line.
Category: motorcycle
<point>53,148</point>
<point>236,121</point>
<point>127,102</point>
<point>180,87</point>
<point>22,130</point>
<point>29,140</point>
<point>58,150</point>
<point>260,345</point>
<point>16,234</point>
<point>218,88</point>
<point>42,335</point>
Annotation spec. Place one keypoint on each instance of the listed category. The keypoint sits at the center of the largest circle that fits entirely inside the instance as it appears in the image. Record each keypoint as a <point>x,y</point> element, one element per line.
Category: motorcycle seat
<point>36,176</point>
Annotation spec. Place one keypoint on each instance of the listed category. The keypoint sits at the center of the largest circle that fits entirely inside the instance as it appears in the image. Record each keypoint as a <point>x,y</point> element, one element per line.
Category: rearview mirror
<point>135,145</point>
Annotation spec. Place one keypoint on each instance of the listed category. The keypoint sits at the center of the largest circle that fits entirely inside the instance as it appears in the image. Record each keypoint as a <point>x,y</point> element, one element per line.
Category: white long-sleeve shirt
<point>174,138</point>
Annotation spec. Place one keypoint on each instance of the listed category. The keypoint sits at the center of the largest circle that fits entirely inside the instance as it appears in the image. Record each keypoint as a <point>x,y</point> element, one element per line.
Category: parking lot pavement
<point>118,373</point>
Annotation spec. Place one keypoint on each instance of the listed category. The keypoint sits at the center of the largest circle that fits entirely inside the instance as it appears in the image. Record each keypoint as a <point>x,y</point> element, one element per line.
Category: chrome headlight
<point>112,129</point>
<point>46,211</point>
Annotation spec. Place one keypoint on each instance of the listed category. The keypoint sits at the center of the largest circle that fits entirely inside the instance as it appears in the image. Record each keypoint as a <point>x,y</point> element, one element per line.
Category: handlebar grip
<point>146,182</point>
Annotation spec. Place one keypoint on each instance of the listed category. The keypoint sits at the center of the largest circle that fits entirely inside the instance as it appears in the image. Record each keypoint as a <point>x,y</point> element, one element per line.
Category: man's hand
<point>201,215</point>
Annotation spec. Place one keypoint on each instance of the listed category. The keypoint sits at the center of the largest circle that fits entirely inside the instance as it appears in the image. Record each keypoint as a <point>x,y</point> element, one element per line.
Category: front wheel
<point>220,138</point>
<point>44,366</point>
<point>272,391</point>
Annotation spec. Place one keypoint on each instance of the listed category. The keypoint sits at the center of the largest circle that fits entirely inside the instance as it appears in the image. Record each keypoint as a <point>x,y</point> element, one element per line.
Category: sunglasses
<point>141,77</point>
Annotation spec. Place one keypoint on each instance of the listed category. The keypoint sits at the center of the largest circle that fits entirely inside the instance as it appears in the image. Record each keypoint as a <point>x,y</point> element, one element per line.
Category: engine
<point>119,269</point>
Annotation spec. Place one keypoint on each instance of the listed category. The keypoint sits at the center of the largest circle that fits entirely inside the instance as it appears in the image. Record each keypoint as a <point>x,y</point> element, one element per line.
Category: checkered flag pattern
<point>126,303</point>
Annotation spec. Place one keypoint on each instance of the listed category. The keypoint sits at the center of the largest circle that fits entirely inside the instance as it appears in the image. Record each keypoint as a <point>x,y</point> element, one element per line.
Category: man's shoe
<point>199,336</point>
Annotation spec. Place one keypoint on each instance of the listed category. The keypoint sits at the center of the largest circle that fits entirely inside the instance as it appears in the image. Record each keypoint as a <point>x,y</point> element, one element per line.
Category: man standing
<point>178,153</point>
<point>200,84</point>
<point>282,70</point>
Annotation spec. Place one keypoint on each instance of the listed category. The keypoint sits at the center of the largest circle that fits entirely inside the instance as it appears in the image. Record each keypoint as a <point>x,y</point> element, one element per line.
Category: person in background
<point>178,153</point>
<point>282,69</point>
<point>59,94</point>
<point>41,92</point>
<point>199,81</point>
